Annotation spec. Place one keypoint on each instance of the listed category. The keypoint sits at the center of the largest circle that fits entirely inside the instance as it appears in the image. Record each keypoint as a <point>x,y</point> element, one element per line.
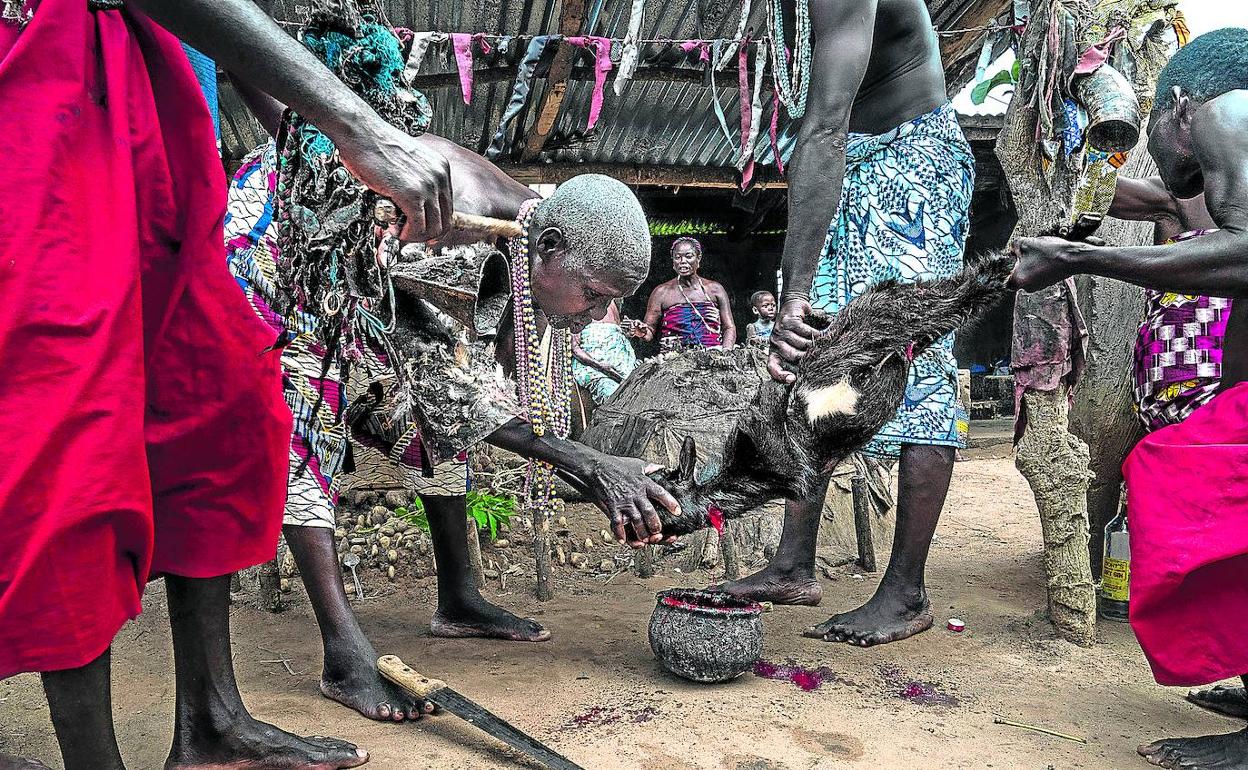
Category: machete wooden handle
<point>411,680</point>
<point>475,225</point>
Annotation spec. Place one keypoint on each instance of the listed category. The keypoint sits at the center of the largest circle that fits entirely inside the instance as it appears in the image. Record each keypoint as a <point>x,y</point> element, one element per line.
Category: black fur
<point>775,451</point>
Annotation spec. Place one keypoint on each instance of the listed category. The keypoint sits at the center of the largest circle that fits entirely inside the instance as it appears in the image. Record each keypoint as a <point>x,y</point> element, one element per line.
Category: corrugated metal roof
<point>654,122</point>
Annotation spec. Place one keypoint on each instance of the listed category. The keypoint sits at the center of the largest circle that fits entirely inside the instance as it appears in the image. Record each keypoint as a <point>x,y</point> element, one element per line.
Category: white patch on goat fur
<point>840,398</point>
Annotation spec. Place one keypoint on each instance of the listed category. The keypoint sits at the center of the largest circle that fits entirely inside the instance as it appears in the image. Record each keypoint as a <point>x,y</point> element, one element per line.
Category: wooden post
<point>862,523</point>
<point>270,580</point>
<point>474,552</point>
<point>541,555</point>
<point>645,562</point>
<point>728,547</point>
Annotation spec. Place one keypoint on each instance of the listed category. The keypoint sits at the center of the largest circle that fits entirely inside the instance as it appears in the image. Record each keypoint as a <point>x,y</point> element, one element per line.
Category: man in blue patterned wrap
<point>880,138</point>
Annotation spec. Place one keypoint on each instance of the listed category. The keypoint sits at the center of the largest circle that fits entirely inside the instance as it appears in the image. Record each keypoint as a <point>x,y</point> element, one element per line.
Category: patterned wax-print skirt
<point>904,211</point>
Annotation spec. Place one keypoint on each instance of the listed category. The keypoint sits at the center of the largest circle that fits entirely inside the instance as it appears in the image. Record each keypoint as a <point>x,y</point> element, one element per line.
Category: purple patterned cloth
<point>1178,355</point>
<point>691,324</point>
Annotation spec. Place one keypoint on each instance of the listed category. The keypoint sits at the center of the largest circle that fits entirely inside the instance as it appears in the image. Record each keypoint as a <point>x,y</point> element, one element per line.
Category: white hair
<point>604,226</point>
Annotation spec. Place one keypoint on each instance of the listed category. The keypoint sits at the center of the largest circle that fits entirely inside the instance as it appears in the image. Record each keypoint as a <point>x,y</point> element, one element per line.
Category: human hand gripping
<point>791,338</point>
<point>416,178</point>
<point>622,488</point>
<point>1043,262</point>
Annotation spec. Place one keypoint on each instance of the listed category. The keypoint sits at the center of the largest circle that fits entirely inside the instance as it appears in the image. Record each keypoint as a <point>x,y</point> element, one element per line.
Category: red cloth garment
<point>144,429</point>
<point>1187,503</point>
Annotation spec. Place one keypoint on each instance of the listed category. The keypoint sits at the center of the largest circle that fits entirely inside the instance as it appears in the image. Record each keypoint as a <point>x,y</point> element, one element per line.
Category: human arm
<point>1216,264</point>
<point>249,45</point>
<point>654,310</point>
<point>618,485</point>
<point>727,326</point>
<point>1143,200</point>
<point>842,32</point>
<point>582,355</point>
<point>265,108</point>
<point>751,333</point>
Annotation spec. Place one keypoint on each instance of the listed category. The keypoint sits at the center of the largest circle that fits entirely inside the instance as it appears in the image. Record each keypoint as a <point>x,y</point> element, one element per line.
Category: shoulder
<point>1221,124</point>
<point>714,287</point>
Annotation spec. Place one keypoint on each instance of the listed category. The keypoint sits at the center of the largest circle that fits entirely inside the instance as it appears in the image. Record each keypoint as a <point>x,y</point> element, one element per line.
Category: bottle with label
<point>1116,570</point>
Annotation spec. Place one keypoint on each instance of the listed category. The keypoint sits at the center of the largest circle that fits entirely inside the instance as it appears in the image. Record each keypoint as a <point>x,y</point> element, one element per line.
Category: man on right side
<point>879,188</point>
<point>1186,490</point>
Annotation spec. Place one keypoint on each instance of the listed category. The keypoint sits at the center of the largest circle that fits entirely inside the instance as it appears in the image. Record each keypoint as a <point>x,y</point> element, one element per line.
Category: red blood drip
<point>717,519</point>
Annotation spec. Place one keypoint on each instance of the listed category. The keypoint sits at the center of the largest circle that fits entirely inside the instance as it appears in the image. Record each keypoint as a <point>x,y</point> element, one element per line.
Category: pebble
<point>390,571</point>
<point>423,547</point>
<point>285,585</point>
<point>766,606</point>
<point>560,556</point>
<point>578,560</point>
<point>396,498</point>
<point>563,521</point>
<point>606,537</point>
<point>502,543</point>
<point>379,515</point>
<point>589,544</point>
<point>606,565</point>
<point>388,530</point>
<point>365,497</point>
<point>361,520</point>
<point>349,587</point>
<point>340,533</point>
<point>400,525</point>
<point>384,541</point>
<point>375,551</point>
<point>357,549</point>
<point>392,556</point>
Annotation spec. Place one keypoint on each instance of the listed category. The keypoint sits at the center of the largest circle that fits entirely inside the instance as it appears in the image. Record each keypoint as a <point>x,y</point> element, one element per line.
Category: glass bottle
<point>1115,591</point>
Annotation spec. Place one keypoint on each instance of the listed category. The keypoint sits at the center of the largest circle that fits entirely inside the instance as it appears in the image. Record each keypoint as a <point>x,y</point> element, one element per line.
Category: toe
<point>383,711</point>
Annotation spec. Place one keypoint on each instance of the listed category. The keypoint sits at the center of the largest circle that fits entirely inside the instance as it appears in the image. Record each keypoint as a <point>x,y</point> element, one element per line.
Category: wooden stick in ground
<point>541,555</point>
<point>1034,729</point>
<point>862,523</point>
<point>728,547</point>
<point>270,580</point>
<point>474,552</point>
<point>645,562</point>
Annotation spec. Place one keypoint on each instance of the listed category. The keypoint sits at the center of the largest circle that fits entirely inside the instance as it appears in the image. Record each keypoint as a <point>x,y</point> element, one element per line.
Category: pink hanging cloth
<point>743,85</point>
<point>462,42</point>
<point>602,65</point>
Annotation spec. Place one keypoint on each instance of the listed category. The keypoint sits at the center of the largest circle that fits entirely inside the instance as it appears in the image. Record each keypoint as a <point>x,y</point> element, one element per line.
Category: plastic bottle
<point>1115,594</point>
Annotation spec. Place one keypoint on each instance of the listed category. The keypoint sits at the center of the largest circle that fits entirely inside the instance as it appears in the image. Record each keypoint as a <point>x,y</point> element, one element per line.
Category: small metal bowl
<point>706,636</point>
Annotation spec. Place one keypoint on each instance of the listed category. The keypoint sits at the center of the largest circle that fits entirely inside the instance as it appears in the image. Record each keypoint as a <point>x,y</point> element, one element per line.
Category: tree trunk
<point>269,578</point>
<point>541,556</point>
<point>474,553</point>
<point>1055,464</point>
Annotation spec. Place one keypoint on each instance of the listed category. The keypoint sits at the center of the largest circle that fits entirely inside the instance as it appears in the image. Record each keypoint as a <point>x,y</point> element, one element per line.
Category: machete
<point>436,692</point>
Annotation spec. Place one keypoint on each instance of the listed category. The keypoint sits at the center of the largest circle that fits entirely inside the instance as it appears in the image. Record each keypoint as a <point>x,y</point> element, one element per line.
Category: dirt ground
<point>596,694</point>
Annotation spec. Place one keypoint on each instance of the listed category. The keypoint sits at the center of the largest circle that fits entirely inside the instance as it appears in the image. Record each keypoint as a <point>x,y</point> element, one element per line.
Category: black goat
<point>847,388</point>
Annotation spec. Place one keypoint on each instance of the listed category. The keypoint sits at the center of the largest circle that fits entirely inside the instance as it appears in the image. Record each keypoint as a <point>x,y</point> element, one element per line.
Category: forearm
<point>1215,264</point>
<point>815,180</point>
<point>585,358</point>
<point>249,45</point>
<point>572,460</point>
<point>266,109</point>
<point>728,335</point>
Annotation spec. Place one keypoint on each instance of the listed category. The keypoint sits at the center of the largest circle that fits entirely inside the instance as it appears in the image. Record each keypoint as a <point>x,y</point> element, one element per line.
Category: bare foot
<point>475,617</point>
<point>248,744</point>
<point>351,679</point>
<point>1224,752</point>
<point>1228,701</point>
<point>886,617</point>
<point>8,762</point>
<point>776,586</point>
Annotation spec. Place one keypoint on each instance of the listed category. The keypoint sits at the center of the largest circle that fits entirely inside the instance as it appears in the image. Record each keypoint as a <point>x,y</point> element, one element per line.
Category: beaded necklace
<point>791,88</point>
<point>544,385</point>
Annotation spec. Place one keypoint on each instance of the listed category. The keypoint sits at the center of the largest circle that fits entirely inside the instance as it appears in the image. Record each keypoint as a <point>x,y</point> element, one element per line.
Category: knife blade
<point>437,692</point>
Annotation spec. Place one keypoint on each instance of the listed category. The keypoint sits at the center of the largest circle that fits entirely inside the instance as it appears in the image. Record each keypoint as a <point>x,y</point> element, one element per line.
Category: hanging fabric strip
<point>420,44</point>
<point>775,130</point>
<point>1098,53</point>
<point>743,89</point>
<point>731,48</point>
<point>632,50</point>
<point>601,47</point>
<point>463,43</point>
<point>756,112</point>
<point>519,93</point>
<point>719,108</point>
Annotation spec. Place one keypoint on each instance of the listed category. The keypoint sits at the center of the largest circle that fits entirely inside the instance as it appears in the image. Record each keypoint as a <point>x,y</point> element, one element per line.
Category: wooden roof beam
<point>955,49</point>
<point>571,17</point>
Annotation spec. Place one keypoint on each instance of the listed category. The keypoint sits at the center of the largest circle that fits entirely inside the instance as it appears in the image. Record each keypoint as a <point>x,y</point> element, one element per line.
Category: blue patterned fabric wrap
<point>206,73</point>
<point>607,344</point>
<point>904,215</point>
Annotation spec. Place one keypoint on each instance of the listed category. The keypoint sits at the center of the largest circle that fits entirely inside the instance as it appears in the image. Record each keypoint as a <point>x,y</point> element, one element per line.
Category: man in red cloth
<point>1187,484</point>
<point>144,428</point>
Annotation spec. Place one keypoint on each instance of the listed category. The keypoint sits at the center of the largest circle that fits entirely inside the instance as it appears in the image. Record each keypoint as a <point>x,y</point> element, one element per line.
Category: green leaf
<point>1017,69</point>
<point>980,94</point>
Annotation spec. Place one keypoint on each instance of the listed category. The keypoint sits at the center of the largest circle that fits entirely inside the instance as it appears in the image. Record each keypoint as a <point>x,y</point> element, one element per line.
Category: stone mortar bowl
<point>705,636</point>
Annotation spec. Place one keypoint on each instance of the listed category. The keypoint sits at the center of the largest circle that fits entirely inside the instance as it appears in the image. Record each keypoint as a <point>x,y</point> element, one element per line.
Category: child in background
<point>763,303</point>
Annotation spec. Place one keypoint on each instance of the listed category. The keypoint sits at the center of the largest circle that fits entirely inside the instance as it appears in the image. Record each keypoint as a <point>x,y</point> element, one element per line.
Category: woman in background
<point>694,311</point>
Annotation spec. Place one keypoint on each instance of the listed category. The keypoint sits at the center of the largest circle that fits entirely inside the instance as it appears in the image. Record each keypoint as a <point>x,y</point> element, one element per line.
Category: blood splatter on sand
<point>806,679</point>
<point>915,691</point>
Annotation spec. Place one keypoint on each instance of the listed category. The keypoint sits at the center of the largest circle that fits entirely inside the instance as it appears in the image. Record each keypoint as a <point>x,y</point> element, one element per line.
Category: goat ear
<point>688,459</point>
